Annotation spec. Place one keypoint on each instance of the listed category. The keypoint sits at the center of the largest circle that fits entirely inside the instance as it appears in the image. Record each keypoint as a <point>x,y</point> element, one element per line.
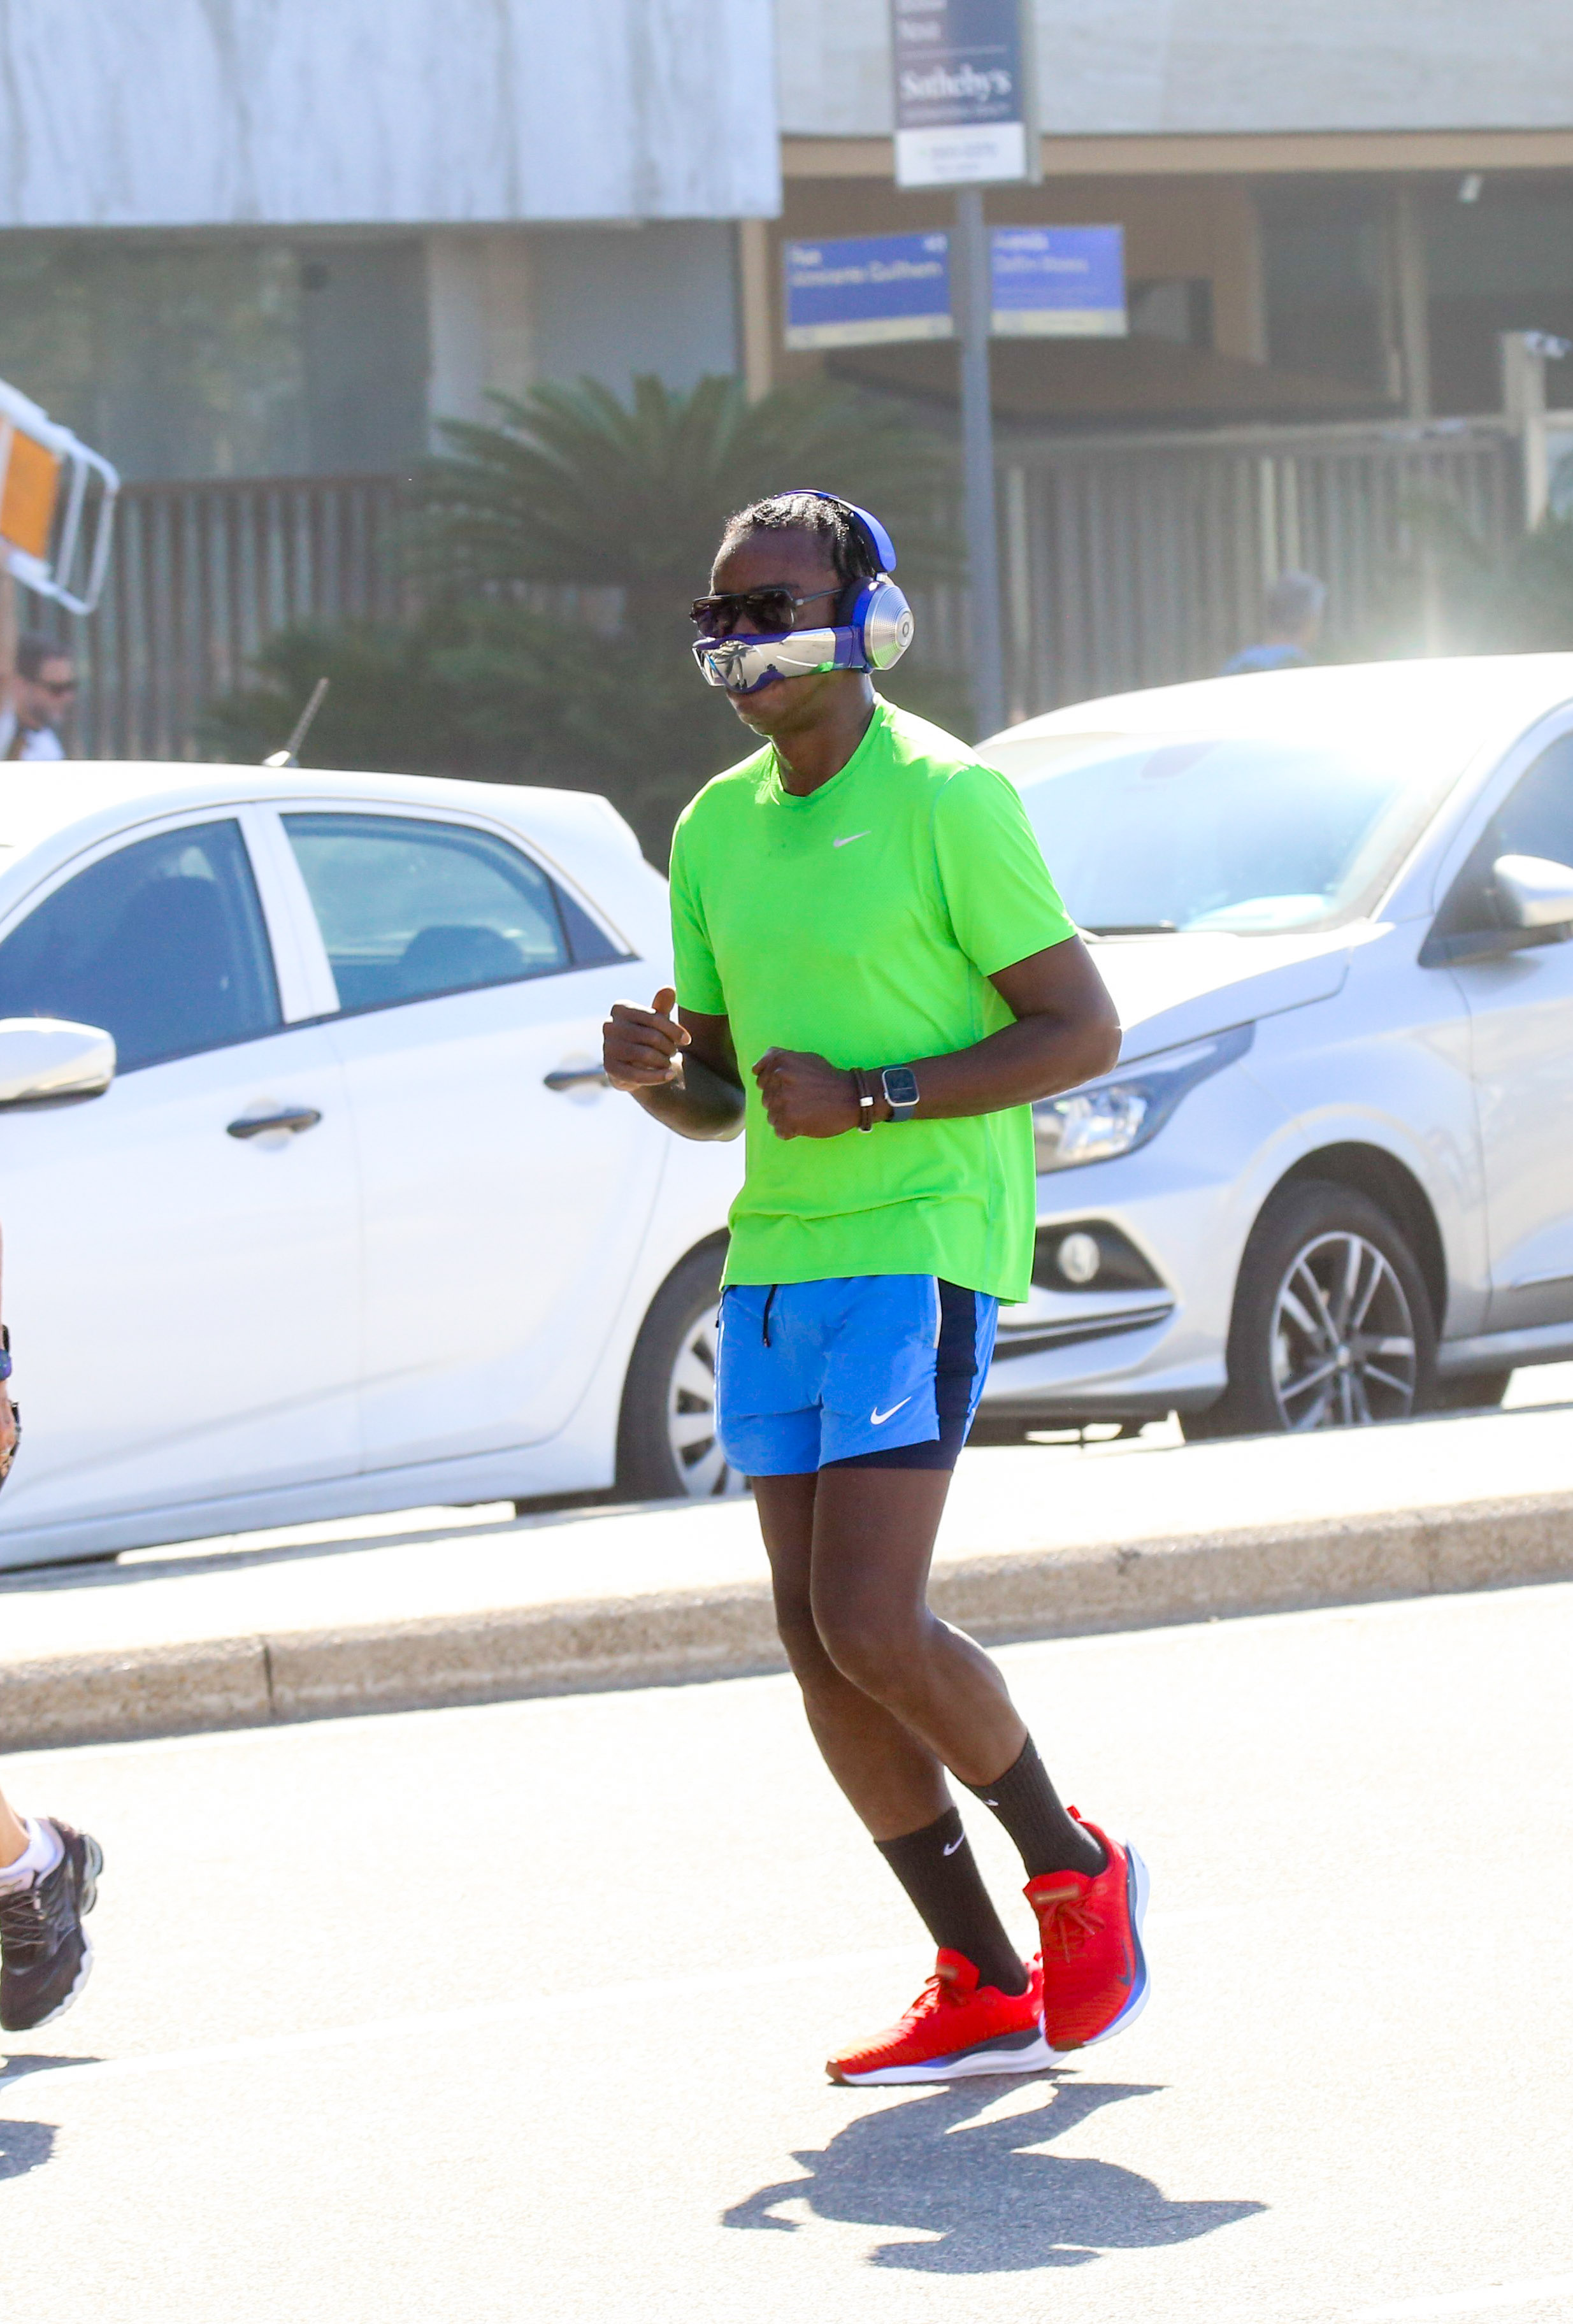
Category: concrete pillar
<point>1239,289</point>
<point>756,307</point>
<point>1412,303</point>
<point>480,320</point>
<point>1523,401</point>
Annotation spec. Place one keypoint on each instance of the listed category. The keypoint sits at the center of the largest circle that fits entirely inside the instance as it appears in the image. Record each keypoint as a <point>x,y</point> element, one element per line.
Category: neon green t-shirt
<point>864,923</point>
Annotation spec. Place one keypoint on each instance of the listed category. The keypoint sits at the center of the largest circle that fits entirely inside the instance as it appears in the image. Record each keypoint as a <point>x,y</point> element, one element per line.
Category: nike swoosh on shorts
<point>849,838</point>
<point>878,1419</point>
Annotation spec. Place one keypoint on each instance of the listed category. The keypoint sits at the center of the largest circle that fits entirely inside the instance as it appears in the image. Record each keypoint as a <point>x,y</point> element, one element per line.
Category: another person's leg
<point>48,1878</point>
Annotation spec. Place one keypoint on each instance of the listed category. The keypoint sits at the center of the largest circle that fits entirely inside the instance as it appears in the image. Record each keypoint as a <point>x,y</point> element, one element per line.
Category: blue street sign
<point>867,291</point>
<point>1059,283</point>
<point>964,109</point>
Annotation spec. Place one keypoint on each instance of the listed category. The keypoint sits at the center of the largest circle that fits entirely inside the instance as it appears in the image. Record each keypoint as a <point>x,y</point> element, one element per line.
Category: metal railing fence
<point>201,576</point>
<point>1142,560</point>
<point>1127,561</point>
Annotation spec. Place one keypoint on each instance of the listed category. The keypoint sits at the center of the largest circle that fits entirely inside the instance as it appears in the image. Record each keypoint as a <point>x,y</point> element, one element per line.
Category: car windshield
<point>1251,835</point>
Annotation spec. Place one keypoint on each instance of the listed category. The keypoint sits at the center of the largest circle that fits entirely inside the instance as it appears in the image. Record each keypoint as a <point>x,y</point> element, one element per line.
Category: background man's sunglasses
<point>56,685</point>
<point>757,613</point>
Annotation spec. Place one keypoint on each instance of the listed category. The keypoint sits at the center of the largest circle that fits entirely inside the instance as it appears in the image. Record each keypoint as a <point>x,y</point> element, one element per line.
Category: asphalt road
<point>518,2012</point>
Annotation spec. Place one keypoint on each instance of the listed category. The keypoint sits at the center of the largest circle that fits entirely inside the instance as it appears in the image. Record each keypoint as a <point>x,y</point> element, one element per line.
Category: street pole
<point>974,304</point>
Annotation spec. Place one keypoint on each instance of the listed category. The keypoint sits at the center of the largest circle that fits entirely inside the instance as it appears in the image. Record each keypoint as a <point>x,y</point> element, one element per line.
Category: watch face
<point>901,1085</point>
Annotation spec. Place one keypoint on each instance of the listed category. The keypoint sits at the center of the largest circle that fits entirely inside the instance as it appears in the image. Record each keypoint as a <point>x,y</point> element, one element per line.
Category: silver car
<point>1329,1181</point>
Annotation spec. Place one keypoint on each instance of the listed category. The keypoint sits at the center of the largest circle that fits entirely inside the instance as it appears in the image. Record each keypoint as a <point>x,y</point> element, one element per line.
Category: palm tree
<point>571,486</point>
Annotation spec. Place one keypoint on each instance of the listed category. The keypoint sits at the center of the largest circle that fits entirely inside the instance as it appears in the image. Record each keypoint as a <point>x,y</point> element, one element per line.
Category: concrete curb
<point>727,1630</point>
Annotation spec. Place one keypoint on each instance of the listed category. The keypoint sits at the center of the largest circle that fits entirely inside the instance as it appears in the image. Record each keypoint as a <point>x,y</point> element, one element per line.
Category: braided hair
<point>831,523</point>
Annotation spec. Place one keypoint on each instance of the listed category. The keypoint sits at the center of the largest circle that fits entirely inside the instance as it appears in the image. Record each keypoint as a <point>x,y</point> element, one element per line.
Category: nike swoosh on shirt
<point>879,1418</point>
<point>850,837</point>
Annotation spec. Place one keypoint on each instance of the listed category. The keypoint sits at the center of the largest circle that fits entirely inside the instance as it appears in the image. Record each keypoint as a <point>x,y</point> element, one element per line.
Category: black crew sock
<point>937,1869</point>
<point>1028,1805</point>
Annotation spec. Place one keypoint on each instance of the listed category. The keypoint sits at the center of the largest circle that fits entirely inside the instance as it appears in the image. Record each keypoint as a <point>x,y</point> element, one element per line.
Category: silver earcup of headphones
<point>884,620</point>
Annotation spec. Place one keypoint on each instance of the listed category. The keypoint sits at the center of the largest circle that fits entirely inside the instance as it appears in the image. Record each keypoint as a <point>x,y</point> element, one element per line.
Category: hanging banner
<point>963,108</point>
<point>1059,283</point>
<point>867,291</point>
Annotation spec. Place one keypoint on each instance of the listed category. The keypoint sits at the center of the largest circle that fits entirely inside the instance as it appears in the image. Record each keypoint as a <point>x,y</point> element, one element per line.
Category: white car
<point>357,1224</point>
<point>1329,1180</point>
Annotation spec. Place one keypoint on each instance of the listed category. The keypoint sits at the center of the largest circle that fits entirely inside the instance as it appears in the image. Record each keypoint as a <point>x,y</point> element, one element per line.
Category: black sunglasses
<point>755,612</point>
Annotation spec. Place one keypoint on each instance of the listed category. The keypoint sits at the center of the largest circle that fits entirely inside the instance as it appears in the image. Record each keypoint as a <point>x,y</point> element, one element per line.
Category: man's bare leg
<point>893,1694</point>
<point>892,1776</point>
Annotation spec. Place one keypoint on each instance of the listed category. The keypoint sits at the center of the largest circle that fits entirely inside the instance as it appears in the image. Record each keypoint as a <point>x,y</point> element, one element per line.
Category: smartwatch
<point>899,1084</point>
<point>5,1351</point>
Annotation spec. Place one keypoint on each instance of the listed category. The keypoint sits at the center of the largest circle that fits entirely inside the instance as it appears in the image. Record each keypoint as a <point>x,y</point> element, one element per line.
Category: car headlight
<point>1129,1106</point>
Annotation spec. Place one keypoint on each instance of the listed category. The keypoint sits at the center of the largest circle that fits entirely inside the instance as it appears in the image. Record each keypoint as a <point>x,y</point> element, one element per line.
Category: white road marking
<point>1472,2303</point>
<point>434,2024</point>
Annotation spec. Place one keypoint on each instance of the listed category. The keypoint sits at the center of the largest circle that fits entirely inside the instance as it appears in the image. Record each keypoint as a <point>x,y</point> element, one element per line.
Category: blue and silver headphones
<point>872,632</point>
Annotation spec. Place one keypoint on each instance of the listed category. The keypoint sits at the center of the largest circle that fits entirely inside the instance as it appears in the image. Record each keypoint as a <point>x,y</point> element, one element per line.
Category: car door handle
<point>292,1117</point>
<point>568,1078</point>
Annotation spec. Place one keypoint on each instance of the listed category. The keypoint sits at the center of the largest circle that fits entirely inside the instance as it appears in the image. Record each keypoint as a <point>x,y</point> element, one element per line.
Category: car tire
<point>1476,1392</point>
<point>667,1447</point>
<point>1320,1257</point>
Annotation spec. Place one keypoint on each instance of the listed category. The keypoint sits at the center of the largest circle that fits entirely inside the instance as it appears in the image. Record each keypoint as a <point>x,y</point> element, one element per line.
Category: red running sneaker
<point>955,2027</point>
<point>1094,1971</point>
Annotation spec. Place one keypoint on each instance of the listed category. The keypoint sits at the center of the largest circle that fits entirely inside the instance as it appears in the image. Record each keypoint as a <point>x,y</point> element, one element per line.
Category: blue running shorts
<point>862,1371</point>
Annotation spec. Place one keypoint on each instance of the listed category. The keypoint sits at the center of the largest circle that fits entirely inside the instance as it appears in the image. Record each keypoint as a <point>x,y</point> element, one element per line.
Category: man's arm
<point>1066,1031</point>
<point>682,1070</point>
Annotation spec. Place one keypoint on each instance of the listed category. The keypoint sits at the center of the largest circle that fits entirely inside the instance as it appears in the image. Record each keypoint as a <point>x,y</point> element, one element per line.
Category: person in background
<point>49,1875</point>
<point>1295,605</point>
<point>37,698</point>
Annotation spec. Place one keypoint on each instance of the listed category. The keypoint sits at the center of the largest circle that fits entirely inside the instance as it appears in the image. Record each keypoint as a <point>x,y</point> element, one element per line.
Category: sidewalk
<point>450,1605</point>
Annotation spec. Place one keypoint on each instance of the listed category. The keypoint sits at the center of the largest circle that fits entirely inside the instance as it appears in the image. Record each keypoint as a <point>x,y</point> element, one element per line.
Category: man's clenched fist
<point>806,1096</point>
<point>639,1047</point>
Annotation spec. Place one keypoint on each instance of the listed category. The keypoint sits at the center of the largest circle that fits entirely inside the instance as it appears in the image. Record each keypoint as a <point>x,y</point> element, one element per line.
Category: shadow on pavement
<point>996,2207</point>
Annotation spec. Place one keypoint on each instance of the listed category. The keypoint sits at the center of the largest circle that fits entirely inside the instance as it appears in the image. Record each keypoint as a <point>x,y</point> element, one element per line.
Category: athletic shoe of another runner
<point>1094,1970</point>
<point>955,2027</point>
<point>44,1953</point>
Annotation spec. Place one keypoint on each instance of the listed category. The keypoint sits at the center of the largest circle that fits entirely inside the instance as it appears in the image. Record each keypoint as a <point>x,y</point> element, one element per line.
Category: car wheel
<point>1332,1326</point>
<point>1476,1392</point>
<point>667,1446</point>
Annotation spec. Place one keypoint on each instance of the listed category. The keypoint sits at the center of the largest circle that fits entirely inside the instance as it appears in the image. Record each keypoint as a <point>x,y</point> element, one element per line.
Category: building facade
<point>253,237</point>
<point>1329,213</point>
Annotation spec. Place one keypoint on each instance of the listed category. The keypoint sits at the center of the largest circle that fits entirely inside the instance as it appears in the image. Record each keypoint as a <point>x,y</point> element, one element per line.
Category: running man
<point>862,916</point>
<point>49,1875</point>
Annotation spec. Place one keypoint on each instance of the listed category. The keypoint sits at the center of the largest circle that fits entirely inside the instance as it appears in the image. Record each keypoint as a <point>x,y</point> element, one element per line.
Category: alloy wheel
<point>1343,1337</point>
<point>690,1417</point>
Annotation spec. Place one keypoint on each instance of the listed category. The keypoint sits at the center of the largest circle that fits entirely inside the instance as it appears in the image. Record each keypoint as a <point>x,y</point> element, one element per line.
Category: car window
<point>161,943</point>
<point>411,909</point>
<point>1536,818</point>
<point>1251,835</point>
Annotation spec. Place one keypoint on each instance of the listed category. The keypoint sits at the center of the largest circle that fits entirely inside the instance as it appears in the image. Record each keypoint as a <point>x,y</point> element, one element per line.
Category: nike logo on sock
<point>878,1419</point>
<point>952,1845</point>
<point>849,838</point>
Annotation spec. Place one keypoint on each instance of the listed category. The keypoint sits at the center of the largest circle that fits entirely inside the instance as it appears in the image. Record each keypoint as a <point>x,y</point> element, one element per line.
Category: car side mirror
<point>1535,893</point>
<point>48,1061</point>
